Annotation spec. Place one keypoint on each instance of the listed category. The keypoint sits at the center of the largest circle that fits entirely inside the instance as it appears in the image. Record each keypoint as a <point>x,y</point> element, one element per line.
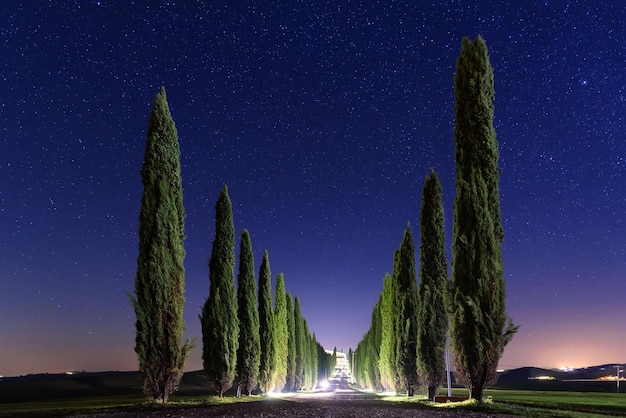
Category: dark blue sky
<point>323,118</point>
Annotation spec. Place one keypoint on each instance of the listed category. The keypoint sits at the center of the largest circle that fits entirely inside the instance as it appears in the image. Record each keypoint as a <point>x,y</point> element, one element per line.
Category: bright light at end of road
<point>324,384</point>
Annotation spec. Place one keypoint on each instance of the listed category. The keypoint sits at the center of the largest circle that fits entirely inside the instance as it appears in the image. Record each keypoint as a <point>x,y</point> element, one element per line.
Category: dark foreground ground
<point>338,401</point>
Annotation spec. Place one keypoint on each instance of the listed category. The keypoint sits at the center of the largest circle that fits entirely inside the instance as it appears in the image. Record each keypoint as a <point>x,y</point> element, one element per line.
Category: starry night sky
<point>323,118</point>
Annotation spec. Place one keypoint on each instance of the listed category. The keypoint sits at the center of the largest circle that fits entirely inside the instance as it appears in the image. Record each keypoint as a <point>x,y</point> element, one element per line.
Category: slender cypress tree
<point>220,325</point>
<point>432,316</point>
<point>266,326</point>
<point>281,335</point>
<point>406,325</point>
<point>480,327</point>
<point>160,282</point>
<point>387,357</point>
<point>291,353</point>
<point>249,351</point>
<point>300,338</point>
<point>308,360</point>
<point>314,361</point>
<point>372,354</point>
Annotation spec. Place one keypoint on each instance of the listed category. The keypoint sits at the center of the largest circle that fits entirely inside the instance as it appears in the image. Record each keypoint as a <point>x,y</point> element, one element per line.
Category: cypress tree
<point>308,360</point>
<point>480,327</point>
<point>314,362</point>
<point>266,325</point>
<point>249,351</point>
<point>160,282</point>
<point>291,352</point>
<point>373,347</point>
<point>323,363</point>
<point>281,335</point>
<point>220,325</point>
<point>432,317</point>
<point>387,357</point>
<point>300,338</point>
<point>406,325</point>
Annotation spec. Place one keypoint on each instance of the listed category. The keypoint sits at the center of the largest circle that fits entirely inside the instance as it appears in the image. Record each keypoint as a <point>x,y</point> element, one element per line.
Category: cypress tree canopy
<point>220,325</point>
<point>281,335</point>
<point>160,282</point>
<point>480,327</point>
<point>432,315</point>
<point>266,326</point>
<point>249,348</point>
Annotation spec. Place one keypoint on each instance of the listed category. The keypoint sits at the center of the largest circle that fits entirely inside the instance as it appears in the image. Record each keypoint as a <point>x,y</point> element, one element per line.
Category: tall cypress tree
<point>300,338</point>
<point>220,325</point>
<point>266,326</point>
<point>291,353</point>
<point>249,351</point>
<point>387,354</point>
<point>432,316</point>
<point>314,362</point>
<point>281,335</point>
<point>406,322</point>
<point>308,360</point>
<point>480,327</point>
<point>160,282</point>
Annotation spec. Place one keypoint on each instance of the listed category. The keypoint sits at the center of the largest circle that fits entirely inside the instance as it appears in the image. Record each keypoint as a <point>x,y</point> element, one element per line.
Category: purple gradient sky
<point>323,118</point>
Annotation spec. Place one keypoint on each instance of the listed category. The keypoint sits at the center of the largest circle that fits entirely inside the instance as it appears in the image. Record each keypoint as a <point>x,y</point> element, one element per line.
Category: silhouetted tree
<point>480,327</point>
<point>266,326</point>
<point>249,351</point>
<point>160,282</point>
<point>220,325</point>
<point>432,316</point>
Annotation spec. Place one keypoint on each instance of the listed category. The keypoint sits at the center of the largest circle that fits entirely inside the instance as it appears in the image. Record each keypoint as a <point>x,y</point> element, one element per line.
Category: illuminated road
<point>337,401</point>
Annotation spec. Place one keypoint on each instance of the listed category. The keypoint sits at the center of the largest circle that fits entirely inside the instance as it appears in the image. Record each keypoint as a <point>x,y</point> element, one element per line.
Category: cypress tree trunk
<point>160,282</point>
<point>432,315</point>
<point>281,335</point>
<point>480,327</point>
<point>266,326</point>
<point>220,325</point>
<point>249,351</point>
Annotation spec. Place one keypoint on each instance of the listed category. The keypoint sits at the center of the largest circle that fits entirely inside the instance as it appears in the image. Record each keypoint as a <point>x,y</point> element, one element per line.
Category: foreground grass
<point>62,407</point>
<point>534,403</point>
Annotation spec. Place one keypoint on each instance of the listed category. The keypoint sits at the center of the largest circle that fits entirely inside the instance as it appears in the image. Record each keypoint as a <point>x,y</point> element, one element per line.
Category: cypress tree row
<point>249,351</point>
<point>160,282</point>
<point>480,327</point>
<point>281,335</point>
<point>220,325</point>
<point>266,326</point>
<point>406,345</point>
<point>432,316</point>
<point>291,352</point>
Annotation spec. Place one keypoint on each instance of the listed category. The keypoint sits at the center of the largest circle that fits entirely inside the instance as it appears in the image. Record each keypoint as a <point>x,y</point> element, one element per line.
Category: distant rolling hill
<point>586,379</point>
